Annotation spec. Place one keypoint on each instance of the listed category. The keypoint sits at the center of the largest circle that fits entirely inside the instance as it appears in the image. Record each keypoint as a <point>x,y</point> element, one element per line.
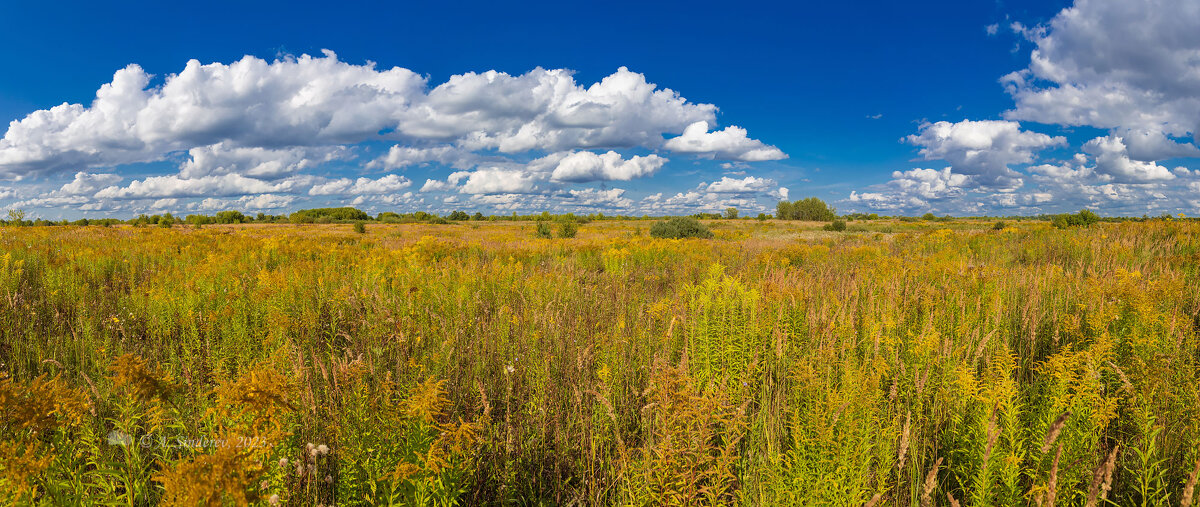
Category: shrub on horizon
<point>1085,218</point>
<point>567,229</point>
<point>836,226</point>
<point>680,227</point>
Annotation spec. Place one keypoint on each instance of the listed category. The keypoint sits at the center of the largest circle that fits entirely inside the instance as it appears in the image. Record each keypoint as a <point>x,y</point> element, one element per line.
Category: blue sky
<point>892,108</point>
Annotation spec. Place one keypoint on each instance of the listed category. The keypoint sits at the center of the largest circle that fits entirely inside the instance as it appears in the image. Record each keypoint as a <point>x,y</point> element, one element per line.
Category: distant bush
<point>836,226</point>
<point>308,216</point>
<point>543,230</point>
<point>459,215</point>
<point>1085,218</point>
<point>812,209</point>
<point>439,221</point>
<point>680,227</point>
<point>929,217</point>
<point>360,228</point>
<point>567,229</point>
<point>861,216</point>
<point>999,226</point>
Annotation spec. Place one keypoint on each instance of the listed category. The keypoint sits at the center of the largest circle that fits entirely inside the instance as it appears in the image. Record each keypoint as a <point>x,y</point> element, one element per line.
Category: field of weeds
<point>776,364</point>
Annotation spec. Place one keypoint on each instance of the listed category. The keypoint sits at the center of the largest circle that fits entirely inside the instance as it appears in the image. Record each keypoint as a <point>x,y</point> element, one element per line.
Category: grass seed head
<point>1055,429</point>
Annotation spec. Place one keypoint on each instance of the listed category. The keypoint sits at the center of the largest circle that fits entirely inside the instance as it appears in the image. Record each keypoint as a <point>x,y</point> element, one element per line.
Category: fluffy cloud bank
<point>257,127</point>
<point>914,189</point>
<point>1128,67</point>
<point>982,149</point>
<point>175,186</point>
<point>255,162</point>
<point>1114,64</point>
<point>386,185</point>
<point>1104,174</point>
<point>322,101</point>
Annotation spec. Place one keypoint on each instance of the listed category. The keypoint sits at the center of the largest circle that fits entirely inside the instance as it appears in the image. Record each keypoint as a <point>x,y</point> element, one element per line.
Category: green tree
<point>811,209</point>
<point>16,217</point>
<point>198,220</point>
<point>1085,218</point>
<point>229,217</point>
<point>731,213</point>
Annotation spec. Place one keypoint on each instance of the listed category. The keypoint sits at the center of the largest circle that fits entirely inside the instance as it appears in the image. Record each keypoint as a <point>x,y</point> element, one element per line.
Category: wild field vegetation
<point>776,364</point>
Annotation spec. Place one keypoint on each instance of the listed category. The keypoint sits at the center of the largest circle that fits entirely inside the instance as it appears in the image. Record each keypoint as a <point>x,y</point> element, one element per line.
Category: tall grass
<point>441,365</point>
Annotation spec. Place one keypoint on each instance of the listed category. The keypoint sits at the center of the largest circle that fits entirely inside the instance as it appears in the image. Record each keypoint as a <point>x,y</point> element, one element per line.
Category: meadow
<point>913,363</point>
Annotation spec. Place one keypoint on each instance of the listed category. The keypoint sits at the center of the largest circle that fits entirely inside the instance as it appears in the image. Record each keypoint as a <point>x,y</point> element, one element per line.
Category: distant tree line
<point>316,216</point>
<point>810,209</point>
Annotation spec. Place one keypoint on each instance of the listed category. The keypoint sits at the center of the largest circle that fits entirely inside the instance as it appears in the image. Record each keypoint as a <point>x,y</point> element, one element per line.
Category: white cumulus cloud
<point>983,149</point>
<point>727,185</point>
<point>495,180</point>
<point>1112,159</point>
<point>255,162</point>
<point>87,183</point>
<point>385,185</point>
<point>587,166</point>
<point>729,144</point>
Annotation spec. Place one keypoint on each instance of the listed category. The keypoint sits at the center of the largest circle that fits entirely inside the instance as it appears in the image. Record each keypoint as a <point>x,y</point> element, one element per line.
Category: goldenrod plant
<point>755,362</point>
